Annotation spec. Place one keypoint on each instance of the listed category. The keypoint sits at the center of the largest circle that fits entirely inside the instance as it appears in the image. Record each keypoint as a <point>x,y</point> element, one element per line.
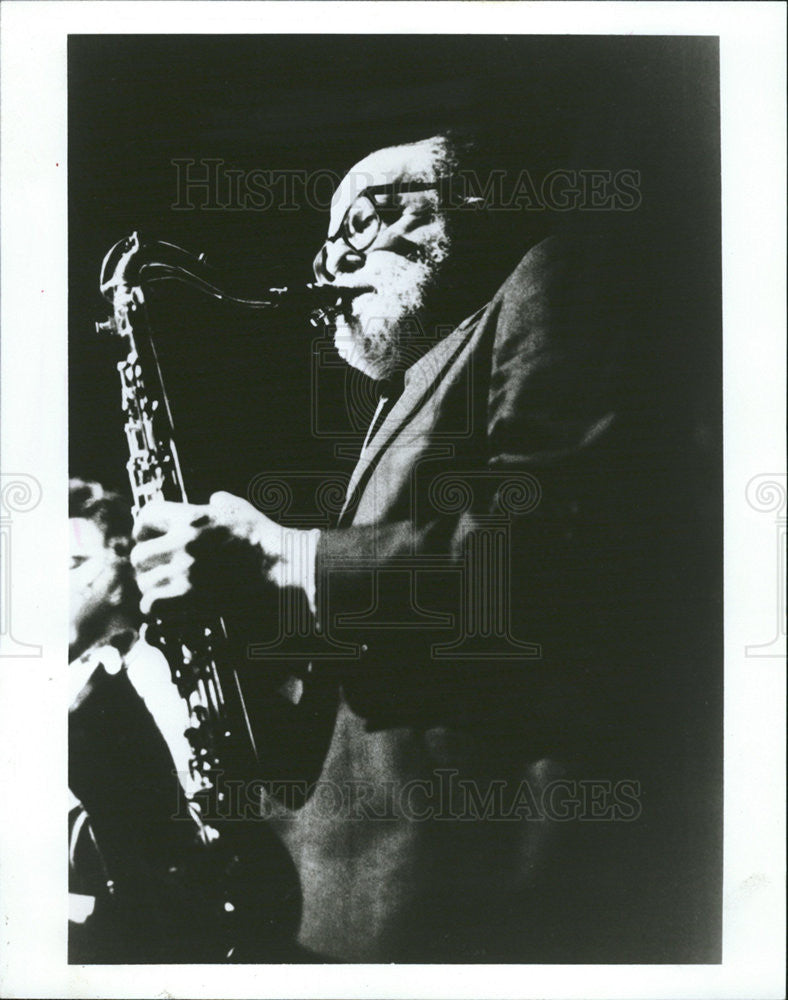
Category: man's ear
<point>122,569</point>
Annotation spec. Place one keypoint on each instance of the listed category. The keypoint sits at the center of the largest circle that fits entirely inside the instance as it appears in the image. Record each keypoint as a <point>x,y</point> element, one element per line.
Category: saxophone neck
<point>133,264</point>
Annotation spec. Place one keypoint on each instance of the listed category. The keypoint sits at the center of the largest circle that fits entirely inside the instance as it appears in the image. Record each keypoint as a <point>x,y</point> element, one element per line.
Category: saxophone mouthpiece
<point>331,300</point>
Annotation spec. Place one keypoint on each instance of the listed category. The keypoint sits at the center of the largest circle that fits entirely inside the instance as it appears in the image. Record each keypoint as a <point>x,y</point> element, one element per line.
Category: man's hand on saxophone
<point>191,555</point>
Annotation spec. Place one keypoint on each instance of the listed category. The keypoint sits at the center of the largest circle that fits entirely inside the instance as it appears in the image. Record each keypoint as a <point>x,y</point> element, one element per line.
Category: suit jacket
<point>500,571</point>
<point>122,830</point>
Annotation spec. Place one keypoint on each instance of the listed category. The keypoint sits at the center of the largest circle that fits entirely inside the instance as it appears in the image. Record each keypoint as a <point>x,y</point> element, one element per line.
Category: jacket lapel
<point>421,381</point>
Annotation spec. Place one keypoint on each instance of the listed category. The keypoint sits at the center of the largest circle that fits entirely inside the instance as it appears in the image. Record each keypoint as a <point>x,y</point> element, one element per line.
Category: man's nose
<point>336,257</point>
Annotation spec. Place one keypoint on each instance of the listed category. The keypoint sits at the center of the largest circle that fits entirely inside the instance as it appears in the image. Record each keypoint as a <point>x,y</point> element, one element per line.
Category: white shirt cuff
<point>299,564</point>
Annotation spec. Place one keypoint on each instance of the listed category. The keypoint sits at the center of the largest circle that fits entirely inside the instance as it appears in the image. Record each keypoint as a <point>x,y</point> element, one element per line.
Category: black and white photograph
<point>454,496</point>
<point>392,420</point>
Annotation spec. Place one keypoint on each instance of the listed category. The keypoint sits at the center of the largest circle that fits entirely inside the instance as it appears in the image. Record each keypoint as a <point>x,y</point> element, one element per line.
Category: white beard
<point>374,336</point>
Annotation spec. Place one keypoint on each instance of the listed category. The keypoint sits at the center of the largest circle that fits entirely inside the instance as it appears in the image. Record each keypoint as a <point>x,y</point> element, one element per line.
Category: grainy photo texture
<point>395,499</point>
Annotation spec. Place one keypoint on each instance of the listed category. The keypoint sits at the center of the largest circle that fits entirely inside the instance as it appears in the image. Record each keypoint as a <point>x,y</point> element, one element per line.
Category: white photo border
<point>33,365</point>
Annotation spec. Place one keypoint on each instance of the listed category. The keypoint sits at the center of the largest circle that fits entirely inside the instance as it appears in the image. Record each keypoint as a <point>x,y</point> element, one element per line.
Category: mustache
<point>406,248</point>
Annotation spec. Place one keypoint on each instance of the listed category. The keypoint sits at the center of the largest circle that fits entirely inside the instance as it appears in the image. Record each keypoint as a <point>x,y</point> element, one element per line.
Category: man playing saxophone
<point>499,572</point>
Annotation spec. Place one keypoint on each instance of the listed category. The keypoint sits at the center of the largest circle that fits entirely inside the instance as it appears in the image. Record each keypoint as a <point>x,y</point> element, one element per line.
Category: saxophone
<point>220,733</point>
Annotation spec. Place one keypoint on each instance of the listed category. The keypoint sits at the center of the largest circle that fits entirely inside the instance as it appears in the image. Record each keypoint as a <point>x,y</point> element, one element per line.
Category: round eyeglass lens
<point>362,223</point>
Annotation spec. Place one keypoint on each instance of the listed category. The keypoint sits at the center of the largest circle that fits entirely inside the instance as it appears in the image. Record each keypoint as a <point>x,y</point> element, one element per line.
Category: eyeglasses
<point>364,218</point>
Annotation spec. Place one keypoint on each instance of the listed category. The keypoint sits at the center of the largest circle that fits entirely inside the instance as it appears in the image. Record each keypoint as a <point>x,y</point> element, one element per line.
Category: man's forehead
<point>418,161</point>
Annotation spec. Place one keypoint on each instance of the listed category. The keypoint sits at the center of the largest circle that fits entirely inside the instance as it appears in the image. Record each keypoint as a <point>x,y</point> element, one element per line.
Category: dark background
<point>241,402</point>
<point>242,398</point>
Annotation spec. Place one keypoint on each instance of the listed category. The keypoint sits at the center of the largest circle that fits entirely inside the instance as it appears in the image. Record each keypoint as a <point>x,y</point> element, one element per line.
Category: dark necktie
<point>389,390</point>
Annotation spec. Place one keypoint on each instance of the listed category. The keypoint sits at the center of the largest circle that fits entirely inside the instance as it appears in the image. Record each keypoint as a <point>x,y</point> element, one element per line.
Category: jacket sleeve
<point>121,770</point>
<point>532,573</point>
